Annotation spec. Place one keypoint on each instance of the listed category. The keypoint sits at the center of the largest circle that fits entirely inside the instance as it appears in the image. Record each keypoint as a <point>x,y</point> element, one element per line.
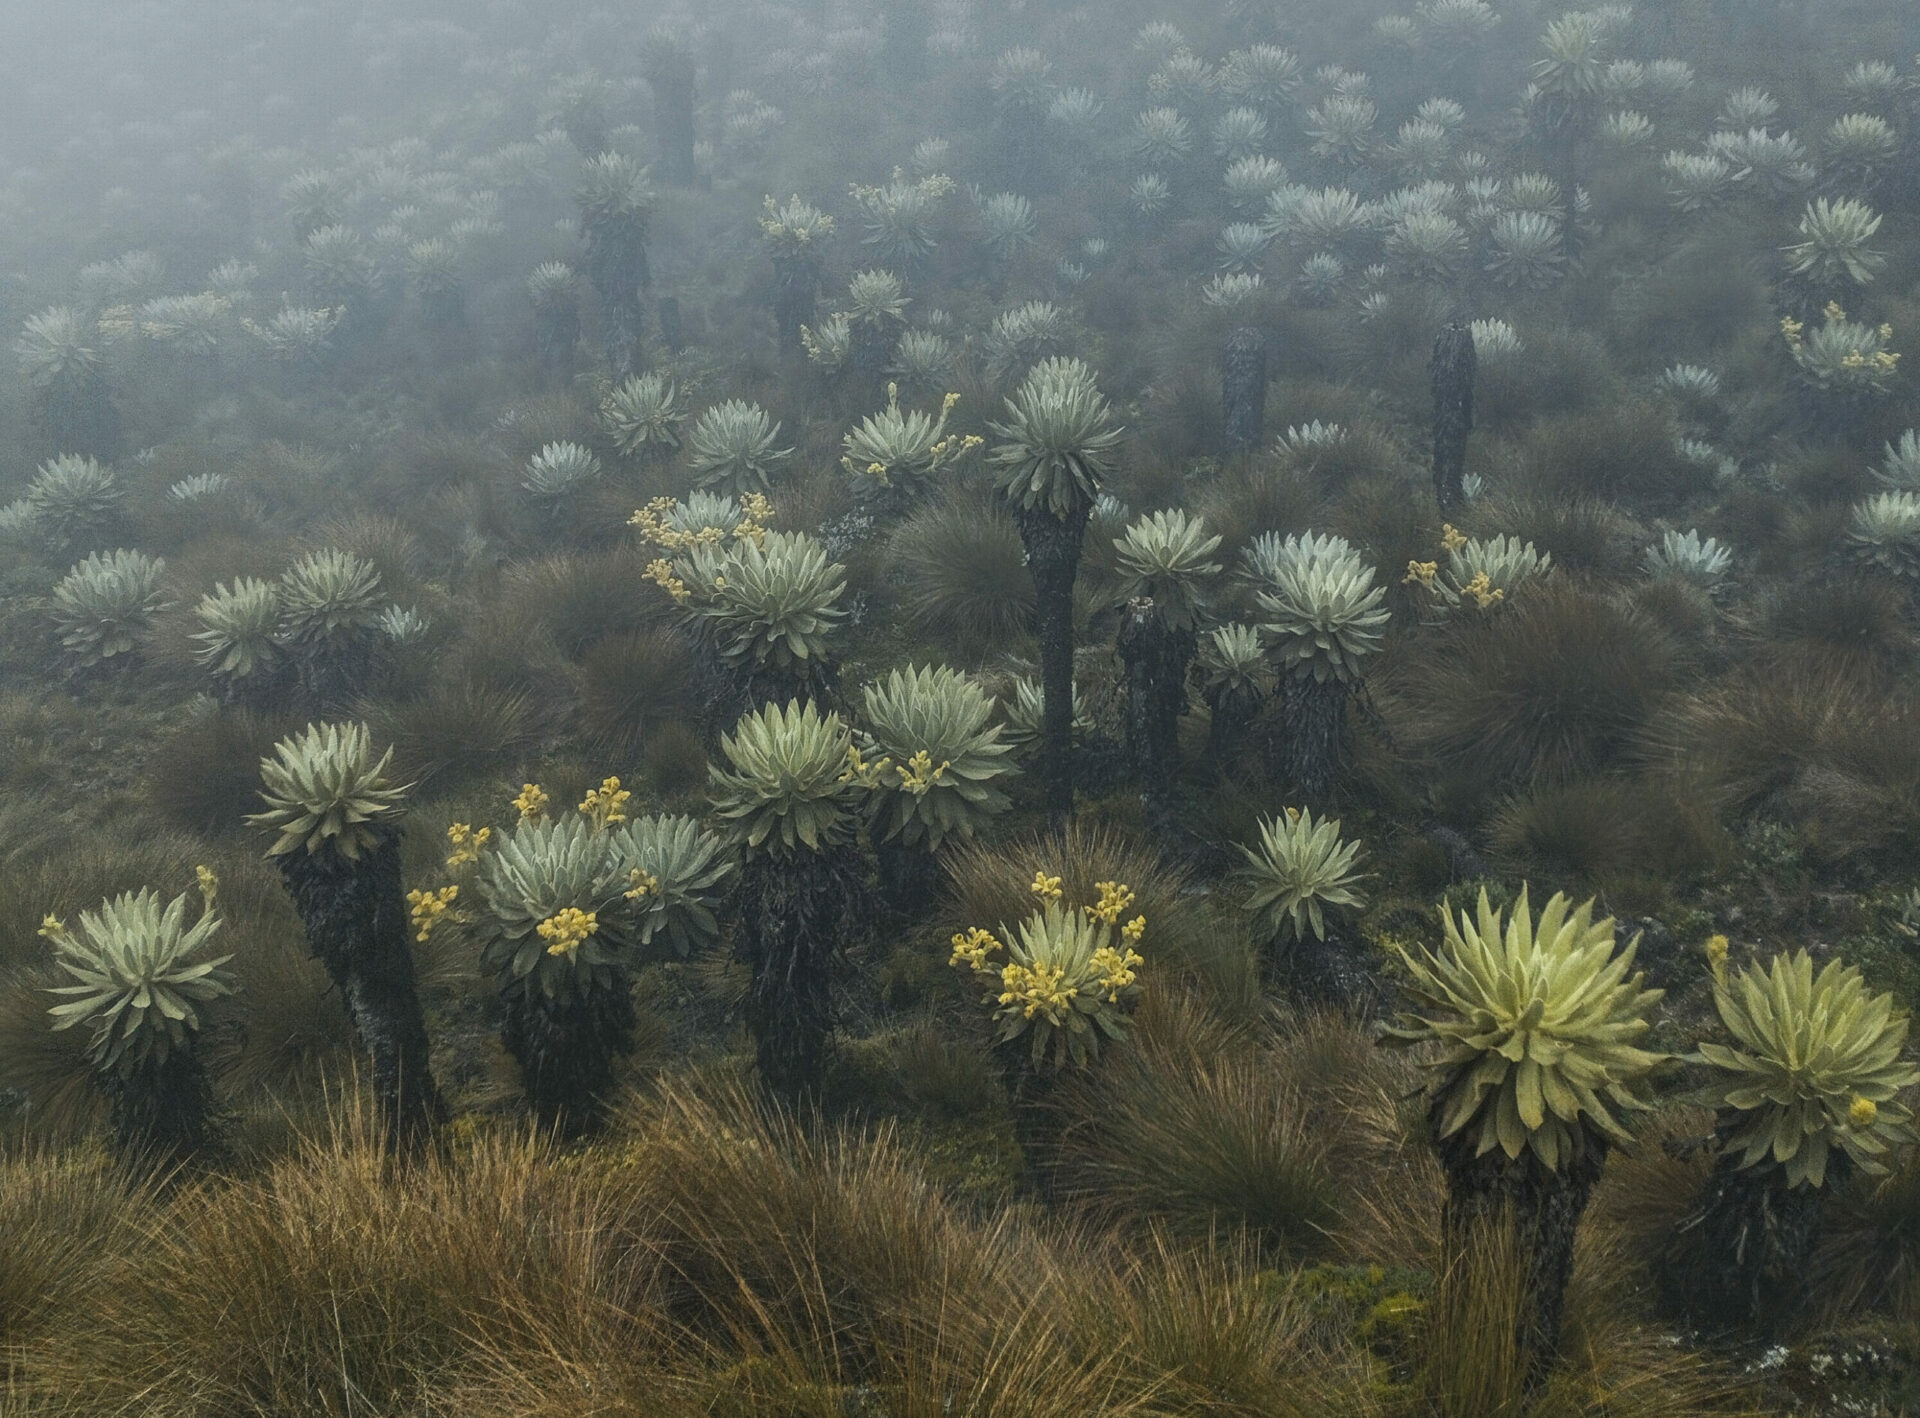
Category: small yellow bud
<point>1862,1112</point>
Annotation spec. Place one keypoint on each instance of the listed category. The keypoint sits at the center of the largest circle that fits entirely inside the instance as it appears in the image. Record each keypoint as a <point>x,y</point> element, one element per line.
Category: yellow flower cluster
<point>54,929</point>
<point>660,572</point>
<point>567,929</point>
<point>655,524</point>
<point>1420,573</point>
<point>1483,591</point>
<point>467,843</point>
<point>1791,329</point>
<point>1863,1112</point>
<point>860,771</point>
<point>918,775</point>
<point>1047,888</point>
<point>1716,951</point>
<point>1037,989</point>
<point>1833,313</point>
<point>209,884</point>
<point>798,233</point>
<point>425,908</point>
<point>971,948</point>
<point>1451,537</point>
<point>1118,968</point>
<point>1880,359</point>
<point>641,884</point>
<point>531,802</point>
<point>606,804</point>
<point>1114,899</point>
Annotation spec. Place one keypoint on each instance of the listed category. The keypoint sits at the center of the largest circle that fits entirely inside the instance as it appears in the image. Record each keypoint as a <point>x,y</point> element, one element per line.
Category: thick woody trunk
<point>797,284</point>
<point>556,330</point>
<point>1453,369</point>
<point>617,269</point>
<point>1746,1269</point>
<point>566,1050</point>
<point>1243,389</point>
<point>1310,748</point>
<point>1156,658</point>
<point>673,113</point>
<point>795,912</point>
<point>355,914</point>
<point>1053,555</point>
<point>160,1110</point>
<point>1543,1205</point>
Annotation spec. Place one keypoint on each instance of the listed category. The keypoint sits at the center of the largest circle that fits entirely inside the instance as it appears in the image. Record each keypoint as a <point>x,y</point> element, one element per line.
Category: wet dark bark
<point>567,1049</point>
<point>797,285</point>
<point>673,115</point>
<point>617,269</point>
<point>1243,388</point>
<point>670,329</point>
<point>1453,367</point>
<point>796,911</point>
<point>1543,1206</point>
<point>160,1110</point>
<point>1753,1237</point>
<point>556,330</point>
<point>1156,657</point>
<point>1310,745</point>
<point>1053,555</point>
<point>909,876</point>
<point>1233,712</point>
<point>355,914</point>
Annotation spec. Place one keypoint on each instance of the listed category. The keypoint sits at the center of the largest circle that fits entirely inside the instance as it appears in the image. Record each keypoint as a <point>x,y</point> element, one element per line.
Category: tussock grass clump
<point>1260,1139</point>
<point>957,572</point>
<point>1554,686</point>
<point>1838,756</point>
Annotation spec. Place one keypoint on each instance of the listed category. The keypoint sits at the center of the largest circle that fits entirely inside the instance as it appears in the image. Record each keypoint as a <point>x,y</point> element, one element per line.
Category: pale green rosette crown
<point>772,600</point>
<point>539,871</point>
<point>1059,439</point>
<point>325,791</point>
<point>789,787</point>
<point>104,606</point>
<point>671,868</point>
<point>1168,556</point>
<point>136,983</point>
<point>1814,1065</point>
<point>942,752</point>
<point>1534,1024</point>
<point>1323,611</point>
<point>1302,868</point>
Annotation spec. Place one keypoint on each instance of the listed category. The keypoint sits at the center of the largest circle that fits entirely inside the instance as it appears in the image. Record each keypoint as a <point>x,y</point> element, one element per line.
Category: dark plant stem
<point>1756,1235</point>
<point>566,1051</point>
<point>1243,389</point>
<point>1452,369</point>
<point>1233,712</point>
<point>556,330</point>
<point>1053,555</point>
<point>796,286</point>
<point>795,912</point>
<point>1310,748</point>
<point>1156,657</point>
<point>673,113</point>
<point>617,269</point>
<point>160,1109</point>
<point>1542,1204</point>
<point>355,914</point>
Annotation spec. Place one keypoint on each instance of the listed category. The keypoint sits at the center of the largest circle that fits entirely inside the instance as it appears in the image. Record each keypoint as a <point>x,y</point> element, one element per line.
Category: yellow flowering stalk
<point>1420,573</point>
<point>209,884</point>
<point>1451,537</point>
<point>531,802</point>
<point>1716,953</point>
<point>918,775</point>
<point>606,804</point>
<point>426,908</point>
<point>898,446</point>
<point>1068,976</point>
<point>467,843</point>
<point>1483,591</point>
<point>567,929</point>
<point>1791,329</point>
<point>641,884</point>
